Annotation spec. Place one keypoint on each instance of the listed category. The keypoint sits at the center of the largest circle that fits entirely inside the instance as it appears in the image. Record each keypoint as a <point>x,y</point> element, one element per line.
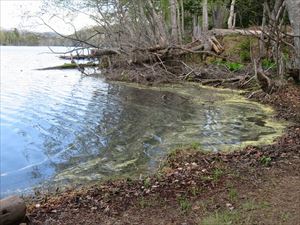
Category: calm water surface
<point>58,127</point>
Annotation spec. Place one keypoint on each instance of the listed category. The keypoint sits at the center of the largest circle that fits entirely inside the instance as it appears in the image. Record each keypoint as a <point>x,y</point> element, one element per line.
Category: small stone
<point>194,164</point>
<point>37,205</point>
<point>229,206</point>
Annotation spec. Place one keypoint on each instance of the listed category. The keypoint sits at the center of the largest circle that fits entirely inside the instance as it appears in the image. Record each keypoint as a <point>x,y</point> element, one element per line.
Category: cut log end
<point>12,211</point>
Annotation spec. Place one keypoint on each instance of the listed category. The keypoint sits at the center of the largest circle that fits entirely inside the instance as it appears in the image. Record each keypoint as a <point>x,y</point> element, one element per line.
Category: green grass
<point>147,182</point>
<point>266,161</point>
<point>184,204</point>
<point>195,145</point>
<point>268,64</point>
<point>245,46</point>
<point>217,174</point>
<point>232,66</point>
<point>221,218</point>
<point>232,194</point>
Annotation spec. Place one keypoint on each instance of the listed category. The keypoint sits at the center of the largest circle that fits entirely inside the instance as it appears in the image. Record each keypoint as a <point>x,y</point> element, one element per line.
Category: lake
<point>61,128</point>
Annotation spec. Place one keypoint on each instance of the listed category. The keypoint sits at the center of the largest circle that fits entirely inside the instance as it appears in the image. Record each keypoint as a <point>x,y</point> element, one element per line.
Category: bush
<point>245,47</point>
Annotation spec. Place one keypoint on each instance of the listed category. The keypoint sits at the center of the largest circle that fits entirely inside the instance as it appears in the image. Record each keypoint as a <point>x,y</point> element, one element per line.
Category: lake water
<point>60,128</point>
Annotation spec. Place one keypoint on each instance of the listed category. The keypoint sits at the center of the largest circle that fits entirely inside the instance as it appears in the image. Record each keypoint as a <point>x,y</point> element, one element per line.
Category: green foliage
<point>195,145</point>
<point>184,204</point>
<point>232,66</point>
<point>266,161</point>
<point>245,47</point>
<point>147,182</point>
<point>268,64</point>
<point>232,194</point>
<point>217,174</point>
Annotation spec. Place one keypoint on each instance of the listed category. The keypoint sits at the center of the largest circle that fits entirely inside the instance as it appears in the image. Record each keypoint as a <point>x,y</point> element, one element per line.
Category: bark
<point>182,18</point>
<point>218,15</point>
<point>230,22</point>
<point>293,7</point>
<point>262,36</point>
<point>196,28</point>
<point>158,21</point>
<point>174,25</point>
<point>264,81</point>
<point>205,16</point>
<point>12,211</point>
<point>179,23</point>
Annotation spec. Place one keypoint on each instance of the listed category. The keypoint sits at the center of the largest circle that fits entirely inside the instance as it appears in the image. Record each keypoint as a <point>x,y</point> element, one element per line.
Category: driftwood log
<point>12,211</point>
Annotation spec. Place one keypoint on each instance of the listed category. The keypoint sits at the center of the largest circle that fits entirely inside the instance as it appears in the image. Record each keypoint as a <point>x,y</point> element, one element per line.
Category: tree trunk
<point>182,19</point>
<point>205,16</point>
<point>12,211</point>
<point>196,28</point>
<point>293,7</point>
<point>174,25</point>
<point>218,15</point>
<point>158,21</point>
<point>179,23</point>
<point>230,22</point>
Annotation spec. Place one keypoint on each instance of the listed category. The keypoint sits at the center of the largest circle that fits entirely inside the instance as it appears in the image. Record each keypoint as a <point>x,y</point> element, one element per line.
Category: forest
<point>25,38</point>
<point>156,35</point>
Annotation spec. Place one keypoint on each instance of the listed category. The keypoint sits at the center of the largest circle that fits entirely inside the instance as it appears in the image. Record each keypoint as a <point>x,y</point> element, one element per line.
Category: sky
<point>21,14</point>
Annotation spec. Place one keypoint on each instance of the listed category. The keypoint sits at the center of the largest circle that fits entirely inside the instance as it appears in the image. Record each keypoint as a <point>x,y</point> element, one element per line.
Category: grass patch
<point>232,194</point>
<point>195,145</point>
<point>221,218</point>
<point>231,66</point>
<point>245,46</point>
<point>266,161</point>
<point>217,174</point>
<point>147,182</point>
<point>268,64</point>
<point>252,205</point>
<point>185,205</point>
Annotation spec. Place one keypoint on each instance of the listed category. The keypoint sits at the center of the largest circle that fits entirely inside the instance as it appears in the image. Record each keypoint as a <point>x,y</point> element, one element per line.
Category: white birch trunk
<point>231,15</point>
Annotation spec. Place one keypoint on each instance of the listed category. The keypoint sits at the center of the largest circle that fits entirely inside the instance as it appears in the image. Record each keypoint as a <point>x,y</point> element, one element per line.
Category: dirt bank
<point>257,185</point>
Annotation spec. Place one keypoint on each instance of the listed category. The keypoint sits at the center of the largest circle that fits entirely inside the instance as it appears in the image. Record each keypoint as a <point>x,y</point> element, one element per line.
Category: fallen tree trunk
<point>221,81</point>
<point>77,57</point>
<point>12,211</point>
<point>68,66</point>
<point>245,32</point>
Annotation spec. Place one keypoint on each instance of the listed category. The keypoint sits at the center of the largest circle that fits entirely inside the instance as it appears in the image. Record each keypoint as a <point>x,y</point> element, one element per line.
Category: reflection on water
<point>59,127</point>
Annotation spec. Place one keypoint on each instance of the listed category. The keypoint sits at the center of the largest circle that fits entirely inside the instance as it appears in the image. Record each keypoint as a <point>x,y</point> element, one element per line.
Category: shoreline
<point>112,199</point>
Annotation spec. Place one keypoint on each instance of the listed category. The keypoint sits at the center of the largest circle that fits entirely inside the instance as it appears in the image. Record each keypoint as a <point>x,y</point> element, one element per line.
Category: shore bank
<point>256,185</point>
